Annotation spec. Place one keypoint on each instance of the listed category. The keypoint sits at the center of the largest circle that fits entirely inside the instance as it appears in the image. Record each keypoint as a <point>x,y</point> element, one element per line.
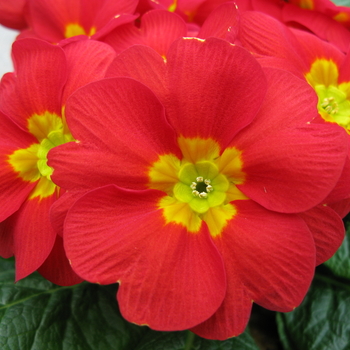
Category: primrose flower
<point>12,14</point>
<point>32,122</point>
<point>191,190</point>
<point>54,20</point>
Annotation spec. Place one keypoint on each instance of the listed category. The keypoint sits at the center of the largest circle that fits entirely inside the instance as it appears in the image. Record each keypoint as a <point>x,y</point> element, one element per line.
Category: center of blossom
<point>333,105</point>
<point>74,29</point>
<point>30,163</point>
<point>201,187</point>
<point>330,105</point>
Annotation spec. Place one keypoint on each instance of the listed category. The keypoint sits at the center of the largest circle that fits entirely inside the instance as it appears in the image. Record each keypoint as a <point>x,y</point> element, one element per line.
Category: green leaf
<point>339,264</point>
<point>36,314</point>
<point>188,341</point>
<point>342,2</point>
<point>322,322</point>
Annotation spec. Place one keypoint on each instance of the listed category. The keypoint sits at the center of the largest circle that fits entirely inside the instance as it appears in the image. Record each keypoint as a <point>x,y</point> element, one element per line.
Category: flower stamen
<point>201,187</point>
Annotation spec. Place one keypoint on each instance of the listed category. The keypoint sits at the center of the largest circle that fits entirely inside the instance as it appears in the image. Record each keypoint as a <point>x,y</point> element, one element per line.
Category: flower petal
<point>36,87</point>
<point>328,231</point>
<point>14,190</point>
<point>56,267</point>
<point>113,235</point>
<point>32,234</point>
<point>273,254</point>
<point>136,135</point>
<point>87,61</point>
<point>216,88</point>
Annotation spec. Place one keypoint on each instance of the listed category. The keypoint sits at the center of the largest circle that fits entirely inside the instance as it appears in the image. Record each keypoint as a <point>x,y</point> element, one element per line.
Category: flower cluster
<point>195,152</point>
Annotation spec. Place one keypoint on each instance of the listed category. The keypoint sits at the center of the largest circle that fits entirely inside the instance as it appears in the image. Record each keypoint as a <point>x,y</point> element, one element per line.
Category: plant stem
<point>189,340</point>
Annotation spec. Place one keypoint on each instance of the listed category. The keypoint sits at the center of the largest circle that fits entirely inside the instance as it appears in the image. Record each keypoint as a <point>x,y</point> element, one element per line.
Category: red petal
<point>170,279</point>
<point>134,117</point>
<point>56,267</point>
<point>87,61</point>
<point>321,25</point>
<point>6,239</point>
<point>33,235</point>
<point>12,14</point>
<point>36,87</point>
<point>327,229</point>
<point>221,23</point>
<point>273,254</point>
<point>282,176</point>
<point>216,88</point>
<point>232,317</point>
<point>14,190</point>
<point>143,64</point>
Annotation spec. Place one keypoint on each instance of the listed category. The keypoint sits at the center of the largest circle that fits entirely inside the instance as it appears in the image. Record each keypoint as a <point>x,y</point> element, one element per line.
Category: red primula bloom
<point>55,20</point>
<point>12,14</point>
<point>321,17</point>
<point>196,185</point>
<point>193,11</point>
<point>325,68</point>
<point>160,28</point>
<point>33,100</point>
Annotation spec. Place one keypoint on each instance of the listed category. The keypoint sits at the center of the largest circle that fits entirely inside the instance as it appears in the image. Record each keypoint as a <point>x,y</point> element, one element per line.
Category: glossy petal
<point>136,135</point>
<point>328,231</point>
<point>36,87</point>
<point>221,23</point>
<point>219,102</point>
<point>56,267</point>
<point>163,270</point>
<point>32,234</point>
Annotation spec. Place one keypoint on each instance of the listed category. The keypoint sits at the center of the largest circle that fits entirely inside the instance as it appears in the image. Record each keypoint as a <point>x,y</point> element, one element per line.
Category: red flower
<point>55,20</point>
<point>33,100</point>
<point>191,195</point>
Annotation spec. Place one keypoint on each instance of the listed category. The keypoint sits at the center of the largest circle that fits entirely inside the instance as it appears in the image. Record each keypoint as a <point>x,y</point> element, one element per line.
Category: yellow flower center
<point>200,186</point>
<point>333,98</point>
<point>30,163</point>
<point>74,29</point>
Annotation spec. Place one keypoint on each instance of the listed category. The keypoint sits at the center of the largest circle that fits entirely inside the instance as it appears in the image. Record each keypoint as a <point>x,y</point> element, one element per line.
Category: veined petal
<point>32,234</point>
<point>35,87</point>
<point>273,254</point>
<point>56,267</point>
<point>232,317</point>
<point>162,269</point>
<point>327,229</point>
<point>14,189</point>
<point>87,61</point>
<point>137,132</point>
<point>281,176</point>
<point>159,28</point>
<point>211,83</point>
<point>221,23</point>
<point>143,64</point>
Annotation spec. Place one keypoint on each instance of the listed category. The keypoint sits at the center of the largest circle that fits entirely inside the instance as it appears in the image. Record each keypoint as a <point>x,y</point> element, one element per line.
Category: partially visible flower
<point>55,20</point>
<point>192,198</point>
<point>32,101</point>
<point>12,14</point>
<point>160,28</point>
